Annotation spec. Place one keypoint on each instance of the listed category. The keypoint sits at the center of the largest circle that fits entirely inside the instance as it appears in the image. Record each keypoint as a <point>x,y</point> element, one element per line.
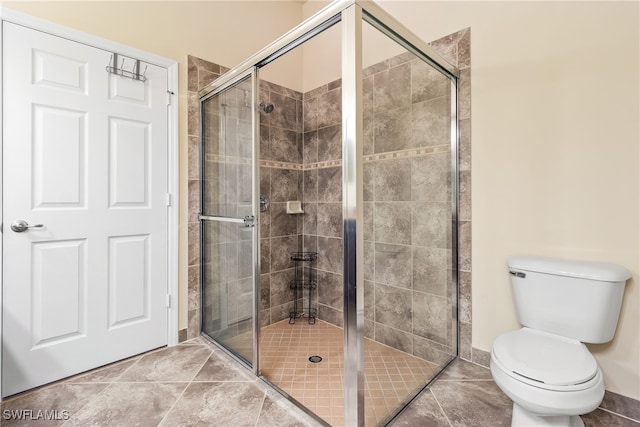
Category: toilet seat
<point>545,360</point>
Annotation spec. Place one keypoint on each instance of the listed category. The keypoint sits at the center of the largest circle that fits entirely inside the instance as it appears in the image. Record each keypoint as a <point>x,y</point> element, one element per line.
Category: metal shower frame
<point>351,14</point>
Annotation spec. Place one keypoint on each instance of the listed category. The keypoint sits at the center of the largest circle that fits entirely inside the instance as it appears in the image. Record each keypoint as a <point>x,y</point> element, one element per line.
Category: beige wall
<point>555,121</point>
<point>555,127</point>
<point>555,157</point>
<point>225,32</point>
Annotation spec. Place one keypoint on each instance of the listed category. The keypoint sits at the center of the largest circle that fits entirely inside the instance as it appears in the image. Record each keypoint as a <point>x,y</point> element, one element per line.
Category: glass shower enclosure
<point>370,149</point>
<point>228,246</point>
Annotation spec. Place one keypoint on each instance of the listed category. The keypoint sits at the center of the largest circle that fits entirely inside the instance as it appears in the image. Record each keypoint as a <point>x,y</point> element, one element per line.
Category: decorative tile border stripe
<point>322,165</point>
<point>281,165</point>
<point>413,152</point>
<point>298,166</point>
<point>216,158</point>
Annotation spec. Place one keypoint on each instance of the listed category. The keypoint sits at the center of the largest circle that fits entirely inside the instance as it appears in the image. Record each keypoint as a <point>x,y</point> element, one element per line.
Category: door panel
<point>129,163</point>
<point>128,90</point>
<point>129,285</point>
<point>59,133</point>
<point>85,155</point>
<point>59,71</point>
<point>59,290</point>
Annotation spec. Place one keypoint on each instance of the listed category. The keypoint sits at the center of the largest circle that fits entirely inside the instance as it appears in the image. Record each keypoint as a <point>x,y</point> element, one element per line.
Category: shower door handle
<point>249,221</point>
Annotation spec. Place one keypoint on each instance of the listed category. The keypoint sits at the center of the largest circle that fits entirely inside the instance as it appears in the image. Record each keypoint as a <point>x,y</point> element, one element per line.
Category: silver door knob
<point>20,225</point>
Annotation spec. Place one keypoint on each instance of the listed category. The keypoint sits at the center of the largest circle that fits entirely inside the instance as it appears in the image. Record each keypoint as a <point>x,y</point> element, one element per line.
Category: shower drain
<point>315,359</point>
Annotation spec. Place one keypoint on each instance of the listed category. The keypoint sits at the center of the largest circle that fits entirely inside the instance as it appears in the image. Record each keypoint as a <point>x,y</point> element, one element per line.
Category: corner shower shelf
<point>300,283</point>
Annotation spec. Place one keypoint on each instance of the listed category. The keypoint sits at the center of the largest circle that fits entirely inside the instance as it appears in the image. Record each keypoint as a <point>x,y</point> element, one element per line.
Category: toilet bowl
<point>551,379</point>
<point>544,367</point>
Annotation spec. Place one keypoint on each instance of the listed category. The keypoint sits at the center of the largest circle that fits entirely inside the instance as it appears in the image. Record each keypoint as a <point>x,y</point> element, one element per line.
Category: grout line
<point>619,415</point>
<point>203,363</point>
<point>264,398</point>
<point>440,406</point>
<point>174,403</point>
<point>86,404</point>
<point>130,366</point>
<point>475,363</point>
<point>109,383</point>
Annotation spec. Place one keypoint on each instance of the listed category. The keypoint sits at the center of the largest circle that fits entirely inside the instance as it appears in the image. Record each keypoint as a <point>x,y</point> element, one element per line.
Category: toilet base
<point>524,418</point>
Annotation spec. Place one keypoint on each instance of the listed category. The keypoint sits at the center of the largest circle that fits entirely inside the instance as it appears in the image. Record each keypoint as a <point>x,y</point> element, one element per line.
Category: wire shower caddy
<point>304,263</point>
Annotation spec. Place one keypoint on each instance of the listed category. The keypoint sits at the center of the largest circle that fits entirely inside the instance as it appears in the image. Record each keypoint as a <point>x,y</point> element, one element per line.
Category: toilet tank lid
<point>602,271</point>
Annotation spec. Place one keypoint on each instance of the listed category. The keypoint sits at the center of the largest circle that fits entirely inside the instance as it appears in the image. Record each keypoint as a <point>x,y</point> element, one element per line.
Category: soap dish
<point>294,207</point>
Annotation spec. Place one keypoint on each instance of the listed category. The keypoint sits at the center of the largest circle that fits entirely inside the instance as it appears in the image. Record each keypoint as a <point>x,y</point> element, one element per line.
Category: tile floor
<point>192,384</point>
<point>195,384</point>
<point>465,395</point>
<point>390,375</point>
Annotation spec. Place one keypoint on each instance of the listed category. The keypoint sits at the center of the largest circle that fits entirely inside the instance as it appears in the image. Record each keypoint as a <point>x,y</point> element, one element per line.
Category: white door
<point>85,155</point>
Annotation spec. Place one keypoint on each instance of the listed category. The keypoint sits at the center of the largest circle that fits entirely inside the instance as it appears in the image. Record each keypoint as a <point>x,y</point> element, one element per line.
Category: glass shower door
<point>410,221</point>
<point>228,210</point>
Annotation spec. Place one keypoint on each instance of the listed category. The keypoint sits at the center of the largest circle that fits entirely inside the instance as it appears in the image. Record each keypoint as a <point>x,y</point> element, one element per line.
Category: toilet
<point>545,368</point>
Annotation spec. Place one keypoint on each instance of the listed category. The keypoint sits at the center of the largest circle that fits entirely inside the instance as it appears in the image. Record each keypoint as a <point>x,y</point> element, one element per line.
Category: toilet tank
<point>575,299</point>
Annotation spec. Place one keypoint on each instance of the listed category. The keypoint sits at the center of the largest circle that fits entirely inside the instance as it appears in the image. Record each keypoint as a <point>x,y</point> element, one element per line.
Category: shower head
<point>267,108</point>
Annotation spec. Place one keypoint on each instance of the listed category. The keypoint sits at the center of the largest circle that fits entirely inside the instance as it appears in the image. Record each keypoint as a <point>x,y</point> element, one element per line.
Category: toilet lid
<point>543,357</point>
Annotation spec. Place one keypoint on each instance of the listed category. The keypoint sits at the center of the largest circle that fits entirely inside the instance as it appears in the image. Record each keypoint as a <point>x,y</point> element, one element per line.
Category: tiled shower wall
<point>280,180</point>
<point>300,160</point>
<point>456,48</point>
<point>200,73</point>
<point>322,194</point>
<point>407,174</point>
<point>407,211</point>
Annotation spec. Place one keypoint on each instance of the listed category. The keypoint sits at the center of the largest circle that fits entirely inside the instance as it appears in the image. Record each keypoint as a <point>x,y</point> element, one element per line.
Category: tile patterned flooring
<point>194,384</point>
<point>390,375</point>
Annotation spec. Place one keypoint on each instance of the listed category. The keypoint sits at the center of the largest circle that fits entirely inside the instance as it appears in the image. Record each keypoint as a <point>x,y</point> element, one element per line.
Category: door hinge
<point>168,300</point>
<point>168,199</point>
<point>169,94</point>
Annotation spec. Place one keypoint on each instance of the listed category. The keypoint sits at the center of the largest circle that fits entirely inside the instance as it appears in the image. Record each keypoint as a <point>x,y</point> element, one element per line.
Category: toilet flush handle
<point>519,274</point>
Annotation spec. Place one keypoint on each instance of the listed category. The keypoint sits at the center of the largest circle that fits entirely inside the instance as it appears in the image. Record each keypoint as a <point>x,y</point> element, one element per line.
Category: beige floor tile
<point>179,363</point>
<point>128,404</point>
<point>61,400</point>
<point>217,403</point>
<point>316,384</point>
